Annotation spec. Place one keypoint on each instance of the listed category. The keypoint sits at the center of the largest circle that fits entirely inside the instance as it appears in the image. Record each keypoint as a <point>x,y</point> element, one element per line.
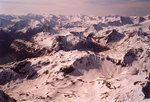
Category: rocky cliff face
<point>78,59</point>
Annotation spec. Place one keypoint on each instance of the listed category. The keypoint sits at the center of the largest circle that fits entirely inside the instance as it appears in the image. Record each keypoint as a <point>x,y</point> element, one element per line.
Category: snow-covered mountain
<point>49,58</point>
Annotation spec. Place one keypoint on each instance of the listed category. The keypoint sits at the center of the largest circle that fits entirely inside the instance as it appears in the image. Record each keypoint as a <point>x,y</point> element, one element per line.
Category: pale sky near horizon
<point>73,7</point>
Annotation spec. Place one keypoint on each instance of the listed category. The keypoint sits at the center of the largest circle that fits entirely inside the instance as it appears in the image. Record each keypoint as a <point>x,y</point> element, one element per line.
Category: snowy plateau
<point>56,58</point>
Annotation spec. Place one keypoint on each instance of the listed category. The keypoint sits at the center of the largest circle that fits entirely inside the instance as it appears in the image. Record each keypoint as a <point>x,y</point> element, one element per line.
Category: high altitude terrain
<point>48,58</point>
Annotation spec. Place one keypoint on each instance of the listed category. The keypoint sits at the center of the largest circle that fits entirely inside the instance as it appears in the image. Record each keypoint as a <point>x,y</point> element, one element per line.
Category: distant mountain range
<point>49,58</point>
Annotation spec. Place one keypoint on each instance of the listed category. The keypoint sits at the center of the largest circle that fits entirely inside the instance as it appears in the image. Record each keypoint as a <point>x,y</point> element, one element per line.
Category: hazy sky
<point>71,7</point>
